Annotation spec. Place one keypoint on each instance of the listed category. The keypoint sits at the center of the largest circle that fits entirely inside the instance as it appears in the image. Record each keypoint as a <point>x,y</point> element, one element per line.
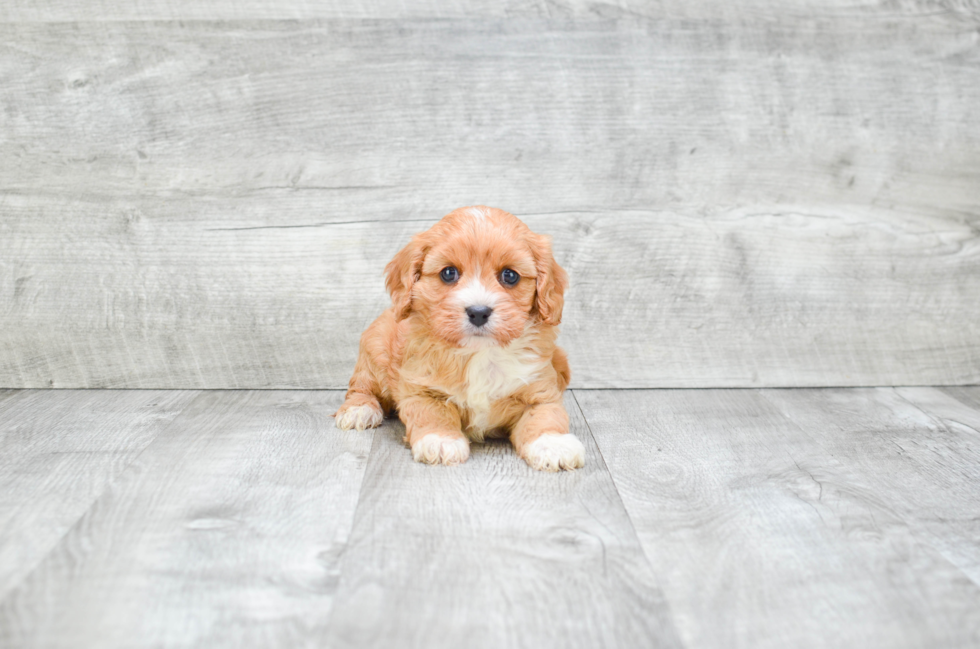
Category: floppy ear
<point>401,273</point>
<point>549,297</point>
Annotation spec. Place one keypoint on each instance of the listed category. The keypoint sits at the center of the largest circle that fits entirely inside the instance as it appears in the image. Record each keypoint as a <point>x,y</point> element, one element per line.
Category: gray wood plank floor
<point>798,518</point>
<point>703,518</point>
<point>58,453</point>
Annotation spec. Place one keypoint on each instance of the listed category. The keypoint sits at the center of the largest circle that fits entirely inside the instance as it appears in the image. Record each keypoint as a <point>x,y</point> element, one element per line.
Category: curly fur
<point>451,381</point>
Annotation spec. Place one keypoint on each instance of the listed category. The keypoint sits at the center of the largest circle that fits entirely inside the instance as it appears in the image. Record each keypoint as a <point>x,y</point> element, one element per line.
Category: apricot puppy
<point>467,350</point>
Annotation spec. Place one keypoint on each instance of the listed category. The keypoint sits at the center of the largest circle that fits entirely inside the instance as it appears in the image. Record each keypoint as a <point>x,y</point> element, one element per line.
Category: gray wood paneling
<point>225,532</point>
<point>389,117</point>
<point>795,518</point>
<point>59,451</point>
<point>114,10</point>
<point>222,297</point>
<point>740,202</point>
<point>493,554</point>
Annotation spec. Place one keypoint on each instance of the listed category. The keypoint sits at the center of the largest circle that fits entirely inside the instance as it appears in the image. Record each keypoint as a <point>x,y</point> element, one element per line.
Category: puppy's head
<point>477,277</point>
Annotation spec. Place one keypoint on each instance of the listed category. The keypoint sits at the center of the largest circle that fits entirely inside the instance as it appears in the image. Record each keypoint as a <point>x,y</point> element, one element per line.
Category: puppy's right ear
<point>401,273</point>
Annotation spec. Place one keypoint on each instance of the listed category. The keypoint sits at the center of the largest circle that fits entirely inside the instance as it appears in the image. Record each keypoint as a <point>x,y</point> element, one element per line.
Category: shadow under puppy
<point>467,350</point>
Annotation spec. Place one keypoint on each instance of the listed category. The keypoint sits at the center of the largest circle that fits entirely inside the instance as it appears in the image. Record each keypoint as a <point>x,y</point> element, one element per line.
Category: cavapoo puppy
<point>467,350</point>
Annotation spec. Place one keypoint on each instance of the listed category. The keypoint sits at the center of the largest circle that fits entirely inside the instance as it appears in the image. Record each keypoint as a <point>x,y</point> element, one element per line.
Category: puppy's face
<point>477,278</point>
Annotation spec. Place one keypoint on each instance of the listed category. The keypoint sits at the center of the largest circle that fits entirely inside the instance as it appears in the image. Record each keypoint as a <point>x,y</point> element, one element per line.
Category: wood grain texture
<point>7,395</point>
<point>918,448</point>
<point>740,202</point>
<point>779,519</point>
<point>381,118</point>
<point>117,10</point>
<point>225,532</point>
<point>59,451</point>
<point>744,298</point>
<point>969,395</point>
<point>951,453</point>
<point>493,554</point>
<point>782,518</point>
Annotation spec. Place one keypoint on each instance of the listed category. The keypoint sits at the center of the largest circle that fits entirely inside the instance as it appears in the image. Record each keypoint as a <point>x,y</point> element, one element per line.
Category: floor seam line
<point>612,478</point>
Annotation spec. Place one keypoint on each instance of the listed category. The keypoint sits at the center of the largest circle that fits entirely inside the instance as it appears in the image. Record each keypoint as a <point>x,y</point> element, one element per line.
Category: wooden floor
<point>703,518</point>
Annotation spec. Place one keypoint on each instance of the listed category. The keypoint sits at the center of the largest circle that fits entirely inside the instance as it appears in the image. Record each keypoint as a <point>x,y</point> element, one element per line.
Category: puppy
<point>467,350</point>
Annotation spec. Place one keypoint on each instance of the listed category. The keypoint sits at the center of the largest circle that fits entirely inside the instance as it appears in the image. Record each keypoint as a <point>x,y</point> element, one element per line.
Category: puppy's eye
<point>449,274</point>
<point>509,277</point>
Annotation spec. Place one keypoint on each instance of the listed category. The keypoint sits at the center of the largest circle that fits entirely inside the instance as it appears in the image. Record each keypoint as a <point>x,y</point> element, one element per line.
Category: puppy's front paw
<point>554,452</point>
<point>438,449</point>
<point>359,417</point>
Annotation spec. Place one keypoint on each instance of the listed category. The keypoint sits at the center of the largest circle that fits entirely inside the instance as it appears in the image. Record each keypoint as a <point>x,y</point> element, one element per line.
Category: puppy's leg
<point>434,431</point>
<point>360,411</point>
<point>541,437</point>
<point>361,408</point>
<point>366,400</point>
<point>560,362</point>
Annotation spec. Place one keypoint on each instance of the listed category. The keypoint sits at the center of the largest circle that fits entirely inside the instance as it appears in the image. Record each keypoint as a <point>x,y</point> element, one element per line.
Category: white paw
<point>436,449</point>
<point>554,452</point>
<point>359,417</point>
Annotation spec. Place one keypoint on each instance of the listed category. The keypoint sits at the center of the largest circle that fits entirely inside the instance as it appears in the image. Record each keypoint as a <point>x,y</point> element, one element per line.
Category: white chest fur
<point>491,374</point>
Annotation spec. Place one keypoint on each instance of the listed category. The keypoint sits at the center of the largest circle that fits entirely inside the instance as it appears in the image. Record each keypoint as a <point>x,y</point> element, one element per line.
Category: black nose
<point>478,314</point>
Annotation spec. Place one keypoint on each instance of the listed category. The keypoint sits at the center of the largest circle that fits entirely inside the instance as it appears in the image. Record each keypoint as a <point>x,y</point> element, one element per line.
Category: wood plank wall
<point>757,193</point>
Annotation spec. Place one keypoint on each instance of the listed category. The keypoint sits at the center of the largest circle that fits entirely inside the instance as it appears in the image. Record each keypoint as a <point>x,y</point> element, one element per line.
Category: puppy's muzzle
<point>478,315</point>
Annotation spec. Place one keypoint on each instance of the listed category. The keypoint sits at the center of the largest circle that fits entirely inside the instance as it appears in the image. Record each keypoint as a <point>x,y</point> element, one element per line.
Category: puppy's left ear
<point>401,273</point>
<point>549,297</point>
